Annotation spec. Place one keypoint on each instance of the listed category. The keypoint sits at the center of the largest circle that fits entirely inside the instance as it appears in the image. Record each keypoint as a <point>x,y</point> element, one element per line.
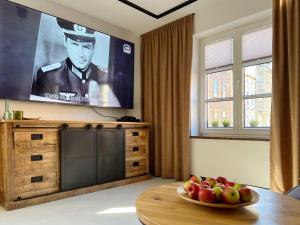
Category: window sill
<point>229,137</point>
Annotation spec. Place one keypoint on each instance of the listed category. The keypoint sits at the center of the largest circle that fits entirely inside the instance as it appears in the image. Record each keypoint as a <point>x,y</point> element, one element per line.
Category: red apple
<point>206,195</point>
<point>193,191</point>
<point>196,179</point>
<point>204,184</point>
<point>230,196</point>
<point>211,181</point>
<point>221,180</point>
<point>187,184</point>
<point>229,184</point>
<point>245,194</point>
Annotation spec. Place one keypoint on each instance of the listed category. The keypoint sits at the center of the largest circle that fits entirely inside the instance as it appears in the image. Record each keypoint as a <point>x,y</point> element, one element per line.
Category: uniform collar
<point>81,74</point>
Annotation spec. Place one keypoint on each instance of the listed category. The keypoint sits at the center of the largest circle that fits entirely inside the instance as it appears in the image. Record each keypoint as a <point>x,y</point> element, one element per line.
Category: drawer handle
<point>136,164</point>
<point>36,136</point>
<point>135,133</point>
<point>135,149</point>
<point>36,157</point>
<point>37,179</point>
<point>89,126</point>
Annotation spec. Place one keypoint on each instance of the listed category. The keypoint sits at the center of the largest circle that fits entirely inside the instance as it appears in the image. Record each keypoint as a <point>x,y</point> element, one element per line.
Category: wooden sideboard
<point>30,159</point>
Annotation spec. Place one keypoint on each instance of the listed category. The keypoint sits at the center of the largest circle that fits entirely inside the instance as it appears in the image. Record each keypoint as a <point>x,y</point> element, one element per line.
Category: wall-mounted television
<point>48,59</point>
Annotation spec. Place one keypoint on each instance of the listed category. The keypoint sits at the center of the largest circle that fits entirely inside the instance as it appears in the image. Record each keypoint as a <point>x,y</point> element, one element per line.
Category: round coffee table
<point>162,206</point>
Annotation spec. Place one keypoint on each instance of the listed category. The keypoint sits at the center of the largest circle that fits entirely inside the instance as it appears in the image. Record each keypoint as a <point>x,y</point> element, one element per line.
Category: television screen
<point>46,58</point>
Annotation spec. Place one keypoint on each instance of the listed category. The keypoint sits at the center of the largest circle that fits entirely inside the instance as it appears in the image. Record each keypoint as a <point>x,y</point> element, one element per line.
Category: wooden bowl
<point>182,194</point>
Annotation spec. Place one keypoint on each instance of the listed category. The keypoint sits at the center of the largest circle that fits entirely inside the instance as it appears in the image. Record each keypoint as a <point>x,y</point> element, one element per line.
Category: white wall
<point>66,112</point>
<point>246,161</point>
<point>224,11</point>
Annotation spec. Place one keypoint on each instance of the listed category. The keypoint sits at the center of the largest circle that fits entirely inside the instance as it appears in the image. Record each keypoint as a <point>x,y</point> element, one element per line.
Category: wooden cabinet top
<point>59,123</point>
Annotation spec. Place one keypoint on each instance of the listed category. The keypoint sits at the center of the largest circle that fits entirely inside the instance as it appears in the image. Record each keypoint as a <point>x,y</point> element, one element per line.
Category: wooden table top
<point>162,206</point>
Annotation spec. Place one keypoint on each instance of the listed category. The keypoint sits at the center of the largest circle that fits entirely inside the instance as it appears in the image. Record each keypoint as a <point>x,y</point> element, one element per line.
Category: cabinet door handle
<point>136,164</point>
<point>37,179</point>
<point>36,157</point>
<point>36,136</point>
<point>135,149</point>
<point>135,133</point>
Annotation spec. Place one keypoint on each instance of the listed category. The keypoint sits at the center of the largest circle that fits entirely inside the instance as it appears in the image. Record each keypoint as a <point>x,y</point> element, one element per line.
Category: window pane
<point>220,114</point>
<point>257,44</point>
<point>219,54</point>
<point>257,112</point>
<point>258,79</point>
<point>219,85</point>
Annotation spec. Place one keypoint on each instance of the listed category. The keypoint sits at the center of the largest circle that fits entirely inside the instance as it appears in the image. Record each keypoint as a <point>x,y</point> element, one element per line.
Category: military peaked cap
<point>76,31</point>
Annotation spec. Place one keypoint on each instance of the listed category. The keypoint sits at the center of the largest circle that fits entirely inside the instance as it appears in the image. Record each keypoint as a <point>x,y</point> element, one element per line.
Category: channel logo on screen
<point>127,49</point>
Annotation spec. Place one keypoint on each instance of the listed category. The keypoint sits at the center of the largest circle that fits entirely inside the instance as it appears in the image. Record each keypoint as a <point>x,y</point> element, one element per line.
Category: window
<point>257,76</point>
<point>236,81</point>
<point>219,69</point>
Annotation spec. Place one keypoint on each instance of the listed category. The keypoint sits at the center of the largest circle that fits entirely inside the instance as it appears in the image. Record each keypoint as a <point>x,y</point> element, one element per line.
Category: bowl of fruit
<point>218,193</point>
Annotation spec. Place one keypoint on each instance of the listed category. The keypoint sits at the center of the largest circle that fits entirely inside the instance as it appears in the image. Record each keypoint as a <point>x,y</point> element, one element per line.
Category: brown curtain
<point>166,58</point>
<point>285,135</point>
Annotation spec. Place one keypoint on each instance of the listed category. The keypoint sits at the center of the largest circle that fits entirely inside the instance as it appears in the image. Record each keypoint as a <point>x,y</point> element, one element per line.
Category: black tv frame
<point>73,104</point>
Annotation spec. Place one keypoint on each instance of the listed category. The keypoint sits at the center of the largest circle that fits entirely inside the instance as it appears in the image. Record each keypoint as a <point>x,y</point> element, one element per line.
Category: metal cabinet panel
<point>110,155</point>
<point>78,164</point>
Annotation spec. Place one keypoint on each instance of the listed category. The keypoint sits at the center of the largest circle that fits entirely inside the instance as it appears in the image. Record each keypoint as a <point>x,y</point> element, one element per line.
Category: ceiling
<point>122,15</point>
<point>157,6</point>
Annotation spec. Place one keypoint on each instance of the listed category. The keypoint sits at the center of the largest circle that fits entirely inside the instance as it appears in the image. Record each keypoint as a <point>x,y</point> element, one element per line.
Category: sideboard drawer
<point>30,163</point>
<point>134,136</point>
<point>33,139</point>
<point>135,167</point>
<point>136,150</point>
<point>35,182</point>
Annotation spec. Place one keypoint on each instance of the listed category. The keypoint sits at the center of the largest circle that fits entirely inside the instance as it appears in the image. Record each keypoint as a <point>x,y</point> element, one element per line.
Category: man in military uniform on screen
<point>76,79</point>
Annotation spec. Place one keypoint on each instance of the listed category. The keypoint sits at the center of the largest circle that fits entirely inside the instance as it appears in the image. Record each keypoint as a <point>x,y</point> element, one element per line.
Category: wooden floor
<point>112,206</point>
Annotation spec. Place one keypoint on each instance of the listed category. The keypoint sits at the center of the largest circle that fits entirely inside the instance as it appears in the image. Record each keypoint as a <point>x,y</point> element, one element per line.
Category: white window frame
<point>238,129</point>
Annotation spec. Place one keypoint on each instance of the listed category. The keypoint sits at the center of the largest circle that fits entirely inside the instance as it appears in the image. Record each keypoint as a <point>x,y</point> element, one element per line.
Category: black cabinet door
<point>78,168</point>
<point>110,155</point>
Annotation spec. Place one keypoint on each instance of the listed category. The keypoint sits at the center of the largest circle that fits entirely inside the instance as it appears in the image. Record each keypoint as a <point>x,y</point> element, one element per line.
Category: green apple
<point>218,192</point>
<point>211,181</point>
<point>230,195</point>
<point>237,186</point>
<point>220,185</point>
